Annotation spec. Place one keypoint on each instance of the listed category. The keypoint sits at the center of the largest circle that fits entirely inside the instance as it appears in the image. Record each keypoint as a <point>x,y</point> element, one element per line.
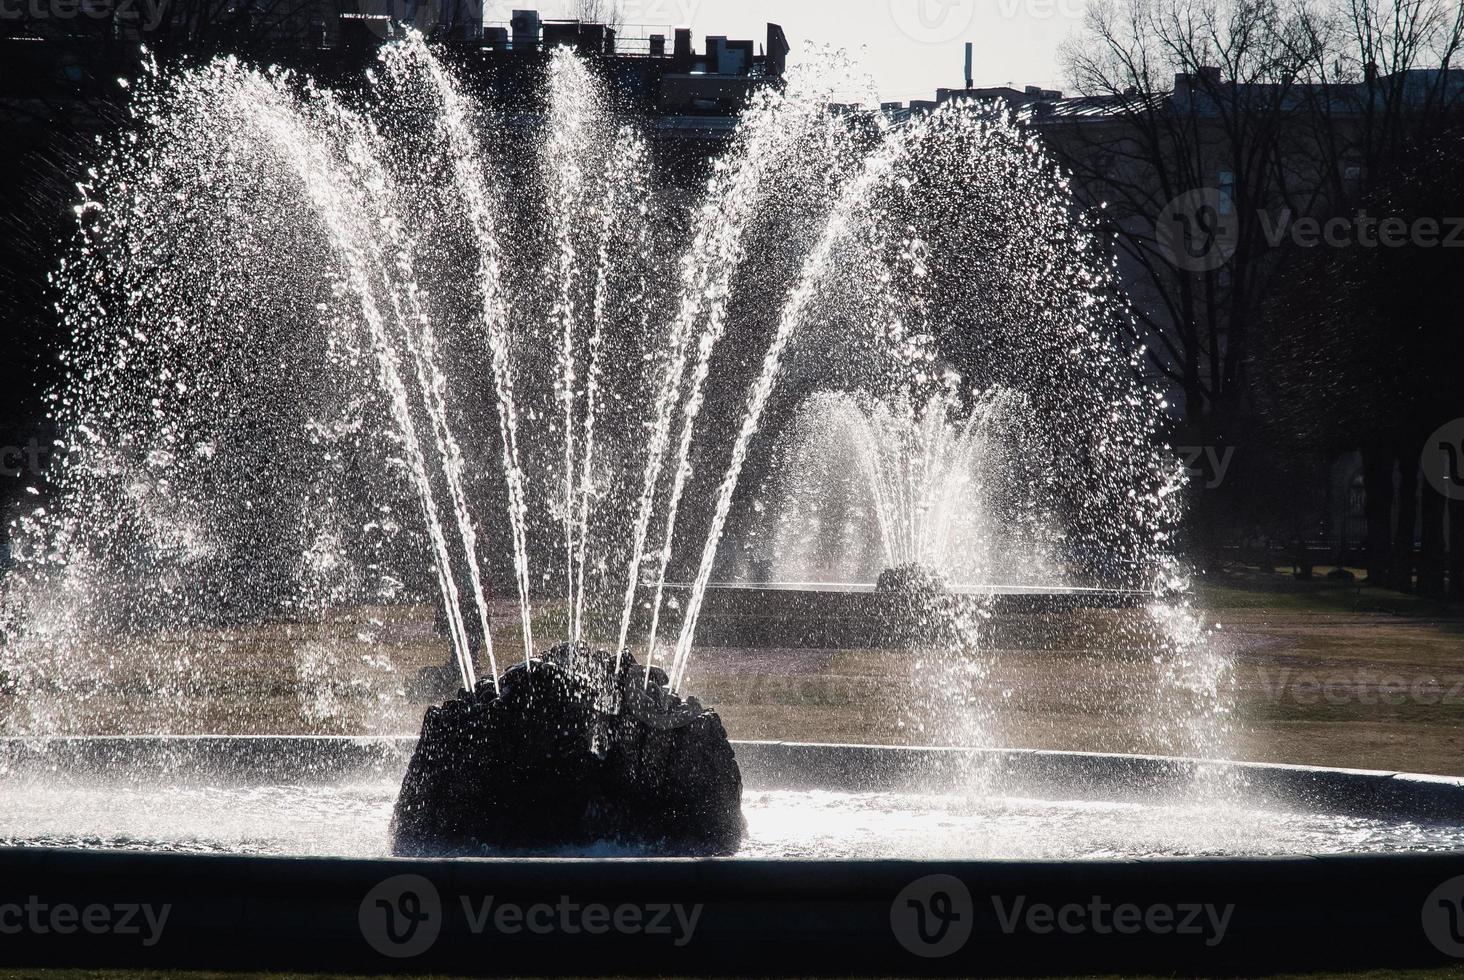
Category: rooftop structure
<point>686,92</point>
<point>661,69</point>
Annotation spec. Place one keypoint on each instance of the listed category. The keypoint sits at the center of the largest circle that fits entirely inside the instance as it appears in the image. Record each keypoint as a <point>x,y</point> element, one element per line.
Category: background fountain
<point>862,486</point>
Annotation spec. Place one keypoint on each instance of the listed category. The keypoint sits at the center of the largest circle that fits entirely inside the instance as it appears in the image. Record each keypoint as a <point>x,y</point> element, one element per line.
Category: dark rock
<point>567,754</point>
<point>911,579</point>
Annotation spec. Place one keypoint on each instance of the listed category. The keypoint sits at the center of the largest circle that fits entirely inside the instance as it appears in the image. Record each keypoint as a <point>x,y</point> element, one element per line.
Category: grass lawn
<point>1338,674</point>
<point>1317,672</point>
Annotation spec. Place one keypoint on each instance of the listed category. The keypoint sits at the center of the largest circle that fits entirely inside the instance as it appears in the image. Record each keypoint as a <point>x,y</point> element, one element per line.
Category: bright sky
<point>911,47</point>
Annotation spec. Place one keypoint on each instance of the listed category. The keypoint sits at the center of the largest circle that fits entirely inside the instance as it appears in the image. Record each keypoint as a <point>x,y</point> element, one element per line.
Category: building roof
<point>1040,106</point>
<point>1416,87</point>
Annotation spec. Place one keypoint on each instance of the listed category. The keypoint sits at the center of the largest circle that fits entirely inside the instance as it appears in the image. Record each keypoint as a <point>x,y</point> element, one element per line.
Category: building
<point>1247,159</point>
<point>684,93</point>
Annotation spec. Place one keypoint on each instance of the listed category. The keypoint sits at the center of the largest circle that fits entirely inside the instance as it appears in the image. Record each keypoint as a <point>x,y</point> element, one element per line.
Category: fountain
<point>891,520</point>
<point>903,495</point>
<point>338,356</point>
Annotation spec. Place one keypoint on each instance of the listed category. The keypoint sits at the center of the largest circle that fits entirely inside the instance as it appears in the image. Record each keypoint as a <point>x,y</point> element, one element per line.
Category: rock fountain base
<point>570,752</point>
<point>911,579</point>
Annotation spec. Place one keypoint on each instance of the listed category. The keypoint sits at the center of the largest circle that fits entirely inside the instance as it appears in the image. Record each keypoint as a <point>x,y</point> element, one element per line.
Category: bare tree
<point>607,12</point>
<point>1384,96</point>
<point>1379,82</point>
<point>1185,108</point>
<point>1259,111</point>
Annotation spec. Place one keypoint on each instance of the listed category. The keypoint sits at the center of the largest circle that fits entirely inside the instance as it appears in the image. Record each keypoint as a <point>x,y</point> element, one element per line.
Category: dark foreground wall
<point>725,917</point>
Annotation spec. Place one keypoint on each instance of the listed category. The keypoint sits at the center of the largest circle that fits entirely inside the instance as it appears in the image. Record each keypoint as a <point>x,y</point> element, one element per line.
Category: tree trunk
<point>1431,552</point>
<point>1456,549</point>
<point>1406,531</point>
<point>1377,485</point>
<point>1201,520</point>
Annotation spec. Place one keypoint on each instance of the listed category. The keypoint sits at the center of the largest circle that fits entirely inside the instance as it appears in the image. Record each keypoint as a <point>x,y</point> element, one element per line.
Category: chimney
<point>777,49</point>
<point>970,79</point>
<point>715,47</point>
<point>658,45</point>
<point>681,53</point>
<point>591,38</point>
<point>525,26</point>
<point>1181,97</point>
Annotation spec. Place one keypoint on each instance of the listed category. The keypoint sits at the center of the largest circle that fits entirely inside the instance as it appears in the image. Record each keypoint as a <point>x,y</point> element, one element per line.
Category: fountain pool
<point>332,797</point>
<point>269,853</point>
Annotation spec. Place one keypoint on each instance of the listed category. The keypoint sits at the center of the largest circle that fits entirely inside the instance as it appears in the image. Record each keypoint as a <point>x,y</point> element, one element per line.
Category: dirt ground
<point>1318,673</point>
<point>1321,672</point>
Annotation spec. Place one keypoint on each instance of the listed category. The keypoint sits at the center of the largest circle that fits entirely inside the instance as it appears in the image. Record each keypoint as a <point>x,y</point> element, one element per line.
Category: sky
<point>910,47</point>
